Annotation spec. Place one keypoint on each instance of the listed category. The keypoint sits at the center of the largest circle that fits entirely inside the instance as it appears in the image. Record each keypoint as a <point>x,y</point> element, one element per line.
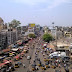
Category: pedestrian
<point>64,65</point>
<point>59,66</point>
<point>25,55</point>
<point>24,65</point>
<point>29,61</point>
<point>37,67</point>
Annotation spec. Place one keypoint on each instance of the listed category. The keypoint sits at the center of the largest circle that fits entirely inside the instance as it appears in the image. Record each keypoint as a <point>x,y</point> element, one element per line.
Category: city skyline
<point>42,12</point>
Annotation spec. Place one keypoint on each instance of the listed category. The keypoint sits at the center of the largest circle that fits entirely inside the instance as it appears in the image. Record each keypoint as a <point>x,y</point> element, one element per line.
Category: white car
<point>28,57</point>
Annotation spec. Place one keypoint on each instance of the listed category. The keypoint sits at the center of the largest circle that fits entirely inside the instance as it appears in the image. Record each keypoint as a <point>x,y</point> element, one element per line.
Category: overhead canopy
<point>6,50</point>
<point>5,62</point>
<point>2,64</point>
<point>14,49</point>
<point>45,45</point>
<point>25,46</point>
<point>1,57</point>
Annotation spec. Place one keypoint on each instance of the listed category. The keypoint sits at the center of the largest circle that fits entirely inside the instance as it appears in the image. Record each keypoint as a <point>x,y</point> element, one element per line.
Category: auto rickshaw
<point>43,67</point>
<point>33,67</point>
<point>45,59</point>
<point>53,67</point>
<point>25,51</point>
<point>16,65</point>
<point>46,64</point>
<point>38,51</point>
<point>49,59</point>
<point>39,63</point>
<point>42,47</point>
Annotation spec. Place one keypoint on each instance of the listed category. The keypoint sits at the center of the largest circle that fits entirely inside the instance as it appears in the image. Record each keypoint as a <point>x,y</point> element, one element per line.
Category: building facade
<point>3,40</point>
<point>1,24</point>
<point>11,36</point>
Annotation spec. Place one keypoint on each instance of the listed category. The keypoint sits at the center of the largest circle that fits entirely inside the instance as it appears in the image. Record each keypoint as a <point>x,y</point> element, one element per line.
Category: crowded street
<point>36,56</point>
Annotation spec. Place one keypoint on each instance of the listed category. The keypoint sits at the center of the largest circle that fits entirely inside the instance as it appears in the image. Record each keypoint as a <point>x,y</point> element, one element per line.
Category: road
<point>25,61</point>
<point>39,55</point>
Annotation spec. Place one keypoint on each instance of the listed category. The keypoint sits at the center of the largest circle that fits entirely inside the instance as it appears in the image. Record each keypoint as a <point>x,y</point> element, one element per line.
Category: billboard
<point>32,25</point>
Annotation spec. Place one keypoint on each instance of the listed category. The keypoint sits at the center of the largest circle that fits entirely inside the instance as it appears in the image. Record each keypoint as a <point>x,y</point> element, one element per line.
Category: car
<point>28,57</point>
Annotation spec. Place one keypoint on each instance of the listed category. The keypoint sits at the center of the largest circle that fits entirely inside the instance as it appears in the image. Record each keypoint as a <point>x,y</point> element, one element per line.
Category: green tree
<point>47,38</point>
<point>14,23</point>
<point>32,35</point>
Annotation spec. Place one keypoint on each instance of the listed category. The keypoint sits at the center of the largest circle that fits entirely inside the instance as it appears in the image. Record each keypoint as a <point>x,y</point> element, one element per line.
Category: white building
<point>30,31</point>
<point>56,34</point>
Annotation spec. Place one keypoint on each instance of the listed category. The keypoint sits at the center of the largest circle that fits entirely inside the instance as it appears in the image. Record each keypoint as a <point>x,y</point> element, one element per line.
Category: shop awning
<point>25,46</point>
<point>5,63</point>
<point>8,61</point>
<point>2,64</point>
<point>14,49</point>
<point>6,50</point>
<point>45,45</point>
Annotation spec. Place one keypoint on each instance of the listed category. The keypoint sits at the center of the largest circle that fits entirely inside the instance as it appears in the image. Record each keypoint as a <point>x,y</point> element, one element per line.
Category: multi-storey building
<point>1,24</point>
<point>11,36</point>
<point>24,29</point>
<point>3,40</point>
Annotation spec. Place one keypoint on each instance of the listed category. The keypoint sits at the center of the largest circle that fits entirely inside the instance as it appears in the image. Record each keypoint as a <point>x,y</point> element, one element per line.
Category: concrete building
<point>18,29</point>
<point>30,31</point>
<point>67,34</point>
<point>24,29</point>
<point>57,34</point>
<point>45,29</point>
<point>37,29</point>
<point>11,36</point>
<point>70,49</point>
<point>1,24</point>
<point>53,33</point>
<point>3,40</point>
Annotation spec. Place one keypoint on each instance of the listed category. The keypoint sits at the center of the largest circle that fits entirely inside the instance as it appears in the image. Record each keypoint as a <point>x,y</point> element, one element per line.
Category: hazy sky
<point>42,12</point>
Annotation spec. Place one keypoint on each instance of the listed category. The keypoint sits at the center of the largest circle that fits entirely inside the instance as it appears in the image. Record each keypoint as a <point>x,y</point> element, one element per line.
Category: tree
<point>47,38</point>
<point>14,23</point>
<point>32,35</point>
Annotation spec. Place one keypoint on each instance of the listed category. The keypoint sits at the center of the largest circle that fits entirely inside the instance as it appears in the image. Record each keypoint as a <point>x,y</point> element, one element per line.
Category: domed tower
<point>1,23</point>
